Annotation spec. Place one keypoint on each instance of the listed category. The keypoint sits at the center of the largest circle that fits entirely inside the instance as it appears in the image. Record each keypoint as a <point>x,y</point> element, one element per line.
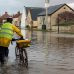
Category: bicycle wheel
<point>17,52</point>
<point>21,54</point>
<point>24,57</point>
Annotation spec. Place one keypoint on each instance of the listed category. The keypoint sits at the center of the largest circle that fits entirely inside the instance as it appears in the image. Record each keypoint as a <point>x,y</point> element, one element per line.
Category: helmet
<point>9,19</point>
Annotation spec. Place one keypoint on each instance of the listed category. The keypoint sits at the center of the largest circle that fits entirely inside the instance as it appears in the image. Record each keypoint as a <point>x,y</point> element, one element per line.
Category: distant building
<point>53,14</point>
<point>32,14</point>
<point>36,16</point>
<point>4,16</point>
<point>17,19</point>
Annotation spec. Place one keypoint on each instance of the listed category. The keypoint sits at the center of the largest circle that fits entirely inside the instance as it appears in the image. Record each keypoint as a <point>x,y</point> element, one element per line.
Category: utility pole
<point>58,23</point>
<point>46,8</point>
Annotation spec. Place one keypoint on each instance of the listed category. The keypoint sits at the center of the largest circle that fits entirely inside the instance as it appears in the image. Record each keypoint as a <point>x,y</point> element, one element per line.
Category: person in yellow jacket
<point>6,34</point>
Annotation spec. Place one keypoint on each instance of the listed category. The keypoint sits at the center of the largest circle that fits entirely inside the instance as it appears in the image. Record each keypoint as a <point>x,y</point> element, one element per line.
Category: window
<point>64,7</point>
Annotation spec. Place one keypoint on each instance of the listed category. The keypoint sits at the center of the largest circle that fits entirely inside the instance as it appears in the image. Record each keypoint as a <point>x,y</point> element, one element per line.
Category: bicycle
<point>20,51</point>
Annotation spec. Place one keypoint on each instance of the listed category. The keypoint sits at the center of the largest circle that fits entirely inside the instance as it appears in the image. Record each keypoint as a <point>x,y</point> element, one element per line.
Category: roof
<point>53,9</point>
<point>34,11</point>
<point>16,15</point>
<point>5,15</point>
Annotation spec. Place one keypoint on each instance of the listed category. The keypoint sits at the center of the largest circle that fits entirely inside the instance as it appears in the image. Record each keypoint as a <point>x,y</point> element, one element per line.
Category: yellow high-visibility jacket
<point>6,41</point>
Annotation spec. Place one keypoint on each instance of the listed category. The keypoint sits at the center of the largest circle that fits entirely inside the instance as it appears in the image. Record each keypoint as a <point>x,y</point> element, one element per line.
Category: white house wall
<point>52,20</point>
<point>55,15</point>
<point>16,21</point>
<point>40,22</point>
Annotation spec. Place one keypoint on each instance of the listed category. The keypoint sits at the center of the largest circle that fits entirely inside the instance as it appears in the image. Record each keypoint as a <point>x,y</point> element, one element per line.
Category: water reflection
<point>53,50</point>
<point>48,53</point>
<point>13,69</point>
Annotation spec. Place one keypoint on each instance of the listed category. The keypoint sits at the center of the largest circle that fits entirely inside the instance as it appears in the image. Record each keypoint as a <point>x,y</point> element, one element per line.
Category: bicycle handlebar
<point>14,39</point>
<point>17,39</point>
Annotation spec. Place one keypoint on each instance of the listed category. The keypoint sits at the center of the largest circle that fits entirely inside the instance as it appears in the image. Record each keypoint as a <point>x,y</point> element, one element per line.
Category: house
<point>16,19</point>
<point>32,14</point>
<point>4,16</point>
<point>53,13</point>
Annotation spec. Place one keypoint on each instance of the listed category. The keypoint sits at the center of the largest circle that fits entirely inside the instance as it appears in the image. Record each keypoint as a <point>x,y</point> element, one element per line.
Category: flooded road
<point>49,53</point>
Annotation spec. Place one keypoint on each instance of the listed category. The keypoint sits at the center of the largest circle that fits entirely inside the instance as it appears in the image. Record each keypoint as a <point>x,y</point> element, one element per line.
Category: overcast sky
<point>13,6</point>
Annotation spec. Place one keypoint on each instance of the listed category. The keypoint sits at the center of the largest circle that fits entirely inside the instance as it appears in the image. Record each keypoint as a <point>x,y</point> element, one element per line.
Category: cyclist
<point>6,34</point>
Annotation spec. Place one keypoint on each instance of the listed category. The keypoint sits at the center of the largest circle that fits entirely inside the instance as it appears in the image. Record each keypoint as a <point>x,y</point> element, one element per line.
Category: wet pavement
<point>49,53</point>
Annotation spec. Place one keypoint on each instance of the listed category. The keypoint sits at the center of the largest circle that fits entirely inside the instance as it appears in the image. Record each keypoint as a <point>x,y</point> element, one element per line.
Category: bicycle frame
<point>21,52</point>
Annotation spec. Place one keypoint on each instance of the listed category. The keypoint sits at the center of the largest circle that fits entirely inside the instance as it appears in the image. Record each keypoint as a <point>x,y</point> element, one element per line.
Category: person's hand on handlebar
<point>21,38</point>
<point>13,39</point>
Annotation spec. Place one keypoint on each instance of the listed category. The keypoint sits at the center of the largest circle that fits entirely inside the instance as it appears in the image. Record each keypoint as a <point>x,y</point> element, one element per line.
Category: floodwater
<point>49,53</point>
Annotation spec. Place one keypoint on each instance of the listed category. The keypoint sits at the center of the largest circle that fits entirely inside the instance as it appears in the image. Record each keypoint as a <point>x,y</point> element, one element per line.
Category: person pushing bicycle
<point>6,34</point>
